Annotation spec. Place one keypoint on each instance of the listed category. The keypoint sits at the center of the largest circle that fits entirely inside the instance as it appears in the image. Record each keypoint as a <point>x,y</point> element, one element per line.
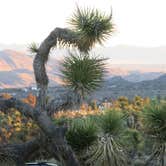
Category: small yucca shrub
<point>112,122</point>
<point>107,150</point>
<point>82,133</point>
<point>154,117</point>
<point>133,141</point>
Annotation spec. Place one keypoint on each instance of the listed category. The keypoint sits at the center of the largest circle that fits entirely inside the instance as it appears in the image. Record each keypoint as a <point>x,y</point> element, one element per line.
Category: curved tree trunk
<point>55,135</point>
<point>157,156</point>
<point>63,36</point>
<point>43,120</point>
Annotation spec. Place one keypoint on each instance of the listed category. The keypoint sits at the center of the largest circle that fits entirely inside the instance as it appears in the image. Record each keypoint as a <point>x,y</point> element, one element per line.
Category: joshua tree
<point>155,127</point>
<point>107,150</point>
<point>88,27</point>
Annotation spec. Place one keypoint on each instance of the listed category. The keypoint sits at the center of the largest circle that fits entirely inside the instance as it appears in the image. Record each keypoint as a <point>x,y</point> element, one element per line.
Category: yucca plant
<point>112,122</point>
<point>107,150</point>
<point>92,27</point>
<point>155,127</point>
<point>33,48</point>
<point>83,73</point>
<point>81,134</point>
<point>133,140</point>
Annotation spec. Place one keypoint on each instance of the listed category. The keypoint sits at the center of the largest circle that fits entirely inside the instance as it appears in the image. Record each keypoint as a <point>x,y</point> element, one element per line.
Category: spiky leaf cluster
<point>33,48</point>
<point>155,121</point>
<point>112,122</point>
<point>92,27</point>
<point>106,152</point>
<point>83,73</point>
<point>82,133</point>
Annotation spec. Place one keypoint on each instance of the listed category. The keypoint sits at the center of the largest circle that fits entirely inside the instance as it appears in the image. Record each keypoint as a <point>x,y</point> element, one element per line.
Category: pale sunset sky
<point>138,22</point>
<point>140,26</point>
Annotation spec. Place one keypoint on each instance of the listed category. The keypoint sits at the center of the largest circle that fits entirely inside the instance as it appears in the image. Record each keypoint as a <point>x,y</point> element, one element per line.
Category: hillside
<point>111,88</point>
<point>16,70</point>
<point>117,86</point>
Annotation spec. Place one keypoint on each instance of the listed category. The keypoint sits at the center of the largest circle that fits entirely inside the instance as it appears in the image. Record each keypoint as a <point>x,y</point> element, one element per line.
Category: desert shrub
<point>107,150</point>
<point>112,122</point>
<point>133,141</point>
<point>82,133</point>
<point>154,118</point>
<point>15,127</point>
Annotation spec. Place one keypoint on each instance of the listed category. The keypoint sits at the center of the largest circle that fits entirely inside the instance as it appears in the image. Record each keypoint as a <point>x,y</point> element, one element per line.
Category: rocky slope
<point>16,70</point>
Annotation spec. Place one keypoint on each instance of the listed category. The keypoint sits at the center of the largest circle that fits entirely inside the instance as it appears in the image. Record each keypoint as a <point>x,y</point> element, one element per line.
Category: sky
<point>137,22</point>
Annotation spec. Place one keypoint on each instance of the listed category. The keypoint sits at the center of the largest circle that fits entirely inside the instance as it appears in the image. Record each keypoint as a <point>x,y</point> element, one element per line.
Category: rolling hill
<point>117,86</point>
<point>16,70</point>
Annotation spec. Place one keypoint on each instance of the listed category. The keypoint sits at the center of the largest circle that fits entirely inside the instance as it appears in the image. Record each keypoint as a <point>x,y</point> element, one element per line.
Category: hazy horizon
<point>138,22</point>
<point>139,27</point>
<point>120,54</point>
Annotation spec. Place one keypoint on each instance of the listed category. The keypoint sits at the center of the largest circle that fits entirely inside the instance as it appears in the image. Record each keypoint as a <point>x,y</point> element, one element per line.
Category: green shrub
<point>107,150</point>
<point>61,121</point>
<point>82,133</point>
<point>133,140</point>
<point>154,117</point>
<point>155,127</point>
<point>112,122</point>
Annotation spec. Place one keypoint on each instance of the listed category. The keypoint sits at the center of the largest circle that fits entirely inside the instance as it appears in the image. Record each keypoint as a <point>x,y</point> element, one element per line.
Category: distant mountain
<point>16,70</point>
<point>136,76</point>
<point>117,86</point>
<point>120,54</point>
<point>112,88</point>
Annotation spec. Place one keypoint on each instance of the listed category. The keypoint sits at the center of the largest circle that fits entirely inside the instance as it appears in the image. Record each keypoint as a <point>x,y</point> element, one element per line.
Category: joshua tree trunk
<point>39,114</point>
<point>55,135</point>
<point>42,119</point>
<point>57,35</point>
<point>157,156</point>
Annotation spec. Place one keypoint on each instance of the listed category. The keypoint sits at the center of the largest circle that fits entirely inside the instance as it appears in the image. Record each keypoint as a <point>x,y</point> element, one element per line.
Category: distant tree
<point>88,27</point>
<point>123,102</point>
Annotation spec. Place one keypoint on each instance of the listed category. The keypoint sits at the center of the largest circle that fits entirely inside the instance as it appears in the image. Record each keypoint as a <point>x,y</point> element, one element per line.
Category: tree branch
<point>64,101</point>
<point>56,135</point>
<point>58,35</point>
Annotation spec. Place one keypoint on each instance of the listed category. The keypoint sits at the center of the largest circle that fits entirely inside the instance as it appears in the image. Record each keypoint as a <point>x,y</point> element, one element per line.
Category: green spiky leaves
<point>82,133</point>
<point>33,47</point>
<point>106,152</point>
<point>155,121</point>
<point>112,122</point>
<point>92,27</point>
<point>83,73</point>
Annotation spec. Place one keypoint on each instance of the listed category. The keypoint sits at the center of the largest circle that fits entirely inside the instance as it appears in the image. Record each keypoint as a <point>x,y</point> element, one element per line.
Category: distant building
<point>34,88</point>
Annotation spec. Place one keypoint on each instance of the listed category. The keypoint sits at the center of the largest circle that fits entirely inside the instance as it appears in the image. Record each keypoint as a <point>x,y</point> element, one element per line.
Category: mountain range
<point>16,70</point>
<point>117,86</point>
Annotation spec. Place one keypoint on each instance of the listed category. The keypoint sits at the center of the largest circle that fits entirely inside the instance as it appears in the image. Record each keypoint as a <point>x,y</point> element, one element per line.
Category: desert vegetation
<point>128,132</point>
